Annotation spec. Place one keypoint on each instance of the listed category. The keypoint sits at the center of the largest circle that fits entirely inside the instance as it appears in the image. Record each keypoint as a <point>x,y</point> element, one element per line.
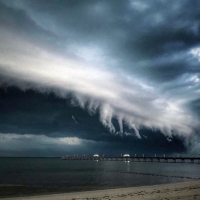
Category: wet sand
<point>182,190</point>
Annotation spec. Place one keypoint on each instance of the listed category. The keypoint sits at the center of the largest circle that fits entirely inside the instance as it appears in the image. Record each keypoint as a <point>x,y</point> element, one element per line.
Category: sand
<point>182,190</point>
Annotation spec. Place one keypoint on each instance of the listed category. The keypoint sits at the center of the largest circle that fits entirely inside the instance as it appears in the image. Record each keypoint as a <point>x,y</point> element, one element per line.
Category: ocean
<point>79,175</point>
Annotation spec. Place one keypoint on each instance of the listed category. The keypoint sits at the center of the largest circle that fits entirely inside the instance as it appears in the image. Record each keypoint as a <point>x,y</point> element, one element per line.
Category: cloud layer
<point>135,62</point>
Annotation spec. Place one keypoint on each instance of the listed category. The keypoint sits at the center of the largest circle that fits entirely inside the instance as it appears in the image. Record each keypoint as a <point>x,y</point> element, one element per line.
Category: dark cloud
<point>30,112</point>
<point>195,106</point>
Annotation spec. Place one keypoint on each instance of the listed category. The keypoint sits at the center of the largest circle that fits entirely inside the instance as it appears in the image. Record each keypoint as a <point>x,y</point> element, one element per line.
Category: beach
<point>182,190</point>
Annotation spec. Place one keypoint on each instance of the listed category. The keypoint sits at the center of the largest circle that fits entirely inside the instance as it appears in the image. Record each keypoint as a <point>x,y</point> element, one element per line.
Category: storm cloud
<point>128,66</point>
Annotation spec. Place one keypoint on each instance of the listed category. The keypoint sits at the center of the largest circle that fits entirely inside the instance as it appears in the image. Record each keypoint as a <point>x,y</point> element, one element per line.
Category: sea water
<point>78,175</point>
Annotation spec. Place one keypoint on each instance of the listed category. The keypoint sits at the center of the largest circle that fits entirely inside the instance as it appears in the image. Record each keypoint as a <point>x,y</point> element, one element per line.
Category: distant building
<point>95,156</point>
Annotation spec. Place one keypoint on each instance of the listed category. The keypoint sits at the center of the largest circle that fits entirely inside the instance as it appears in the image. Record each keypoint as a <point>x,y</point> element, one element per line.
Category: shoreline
<point>171,191</point>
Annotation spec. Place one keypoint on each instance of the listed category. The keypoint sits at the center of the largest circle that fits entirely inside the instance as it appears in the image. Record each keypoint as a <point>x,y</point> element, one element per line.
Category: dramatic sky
<point>98,76</point>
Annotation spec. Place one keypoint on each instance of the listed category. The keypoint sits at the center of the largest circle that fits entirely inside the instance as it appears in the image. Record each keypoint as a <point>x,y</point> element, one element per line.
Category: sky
<point>97,76</point>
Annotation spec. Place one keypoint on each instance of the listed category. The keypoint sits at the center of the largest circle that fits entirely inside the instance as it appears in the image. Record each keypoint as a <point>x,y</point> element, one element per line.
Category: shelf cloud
<point>133,64</point>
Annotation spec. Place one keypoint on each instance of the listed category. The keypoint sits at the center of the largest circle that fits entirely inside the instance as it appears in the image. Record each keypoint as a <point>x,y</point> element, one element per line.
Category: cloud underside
<point>135,64</point>
<point>13,144</point>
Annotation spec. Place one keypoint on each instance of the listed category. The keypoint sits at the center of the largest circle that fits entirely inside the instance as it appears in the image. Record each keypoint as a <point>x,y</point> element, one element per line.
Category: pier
<point>162,159</point>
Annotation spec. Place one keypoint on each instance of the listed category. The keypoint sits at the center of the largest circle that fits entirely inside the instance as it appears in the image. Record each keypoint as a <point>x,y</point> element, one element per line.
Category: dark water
<point>86,175</point>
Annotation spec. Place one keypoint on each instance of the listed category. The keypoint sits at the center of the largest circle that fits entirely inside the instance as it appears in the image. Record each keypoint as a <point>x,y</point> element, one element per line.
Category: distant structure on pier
<point>126,156</point>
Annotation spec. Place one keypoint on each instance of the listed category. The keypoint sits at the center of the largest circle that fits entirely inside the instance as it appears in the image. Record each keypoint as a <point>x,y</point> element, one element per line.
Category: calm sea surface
<point>86,175</point>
